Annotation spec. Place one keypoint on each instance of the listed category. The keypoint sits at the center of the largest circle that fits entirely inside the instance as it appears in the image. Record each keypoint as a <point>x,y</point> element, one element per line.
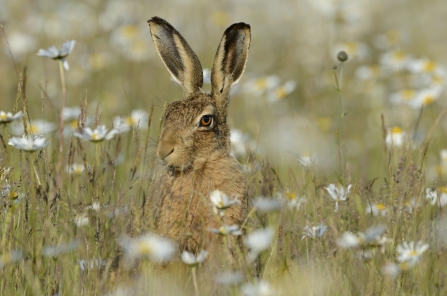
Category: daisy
<point>411,253</point>
<point>221,202</point>
<point>75,169</point>
<point>192,260</point>
<point>404,96</point>
<point>372,237</point>
<point>238,142</point>
<point>61,54</point>
<point>137,118</point>
<point>425,97</point>
<point>395,137</point>
<point>338,194</point>
<point>314,231</point>
<point>81,220</point>
<point>258,241</point>
<point>266,205</point>
<point>377,209</point>
<point>394,60</point>
<point>423,65</point>
<point>293,200</point>
<point>54,251</point>
<point>37,127</point>
<point>7,117</point>
<point>226,230</point>
<point>260,288</point>
<point>99,134</point>
<point>261,85</point>
<point>281,92</point>
<point>28,143</point>
<point>151,246</point>
<point>366,73</point>
<point>438,196</point>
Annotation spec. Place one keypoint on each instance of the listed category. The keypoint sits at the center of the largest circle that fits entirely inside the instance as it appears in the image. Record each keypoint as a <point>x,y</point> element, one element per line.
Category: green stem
<point>61,125</point>
<point>194,280</point>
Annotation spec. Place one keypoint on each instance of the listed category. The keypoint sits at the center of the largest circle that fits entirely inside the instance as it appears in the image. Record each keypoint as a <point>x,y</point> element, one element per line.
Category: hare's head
<point>196,128</point>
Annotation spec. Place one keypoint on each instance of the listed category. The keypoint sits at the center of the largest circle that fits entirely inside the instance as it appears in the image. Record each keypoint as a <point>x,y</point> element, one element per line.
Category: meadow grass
<point>344,161</point>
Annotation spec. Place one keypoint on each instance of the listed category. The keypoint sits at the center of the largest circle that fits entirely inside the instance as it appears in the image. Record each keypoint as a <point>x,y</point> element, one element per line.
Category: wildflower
<point>131,42</point>
<point>81,220</point>
<point>438,197</point>
<point>395,137</point>
<point>403,96</point>
<point>28,143</point>
<point>391,269</point>
<point>425,97</point>
<point>394,60</point>
<point>356,50</point>
<point>371,238</point>
<point>366,73</point>
<point>293,200</point>
<point>260,85</point>
<point>377,209</point>
<point>258,241</point>
<point>221,202</point>
<point>423,66</point>
<point>265,205</point>
<point>71,113</point>
<point>91,264</point>
<point>260,288</point>
<point>97,135</point>
<point>61,54</point>
<point>306,160</point>
<point>137,118</point>
<point>238,141</point>
<point>281,92</point>
<point>54,251</point>
<point>411,253</point>
<point>229,278</point>
<point>37,127</point>
<point>75,169</point>
<point>314,231</point>
<point>7,117</point>
<point>226,230</point>
<point>11,257</point>
<point>192,260</point>
<point>151,246</point>
<point>96,206</point>
<point>338,194</point>
<point>388,40</point>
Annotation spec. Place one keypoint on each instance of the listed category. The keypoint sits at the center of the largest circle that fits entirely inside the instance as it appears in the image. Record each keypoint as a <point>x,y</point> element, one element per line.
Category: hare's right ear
<point>230,60</point>
<point>177,56</point>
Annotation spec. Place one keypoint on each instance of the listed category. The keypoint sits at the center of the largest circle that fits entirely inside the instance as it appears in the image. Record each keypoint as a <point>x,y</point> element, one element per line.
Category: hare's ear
<point>177,56</point>
<point>230,60</point>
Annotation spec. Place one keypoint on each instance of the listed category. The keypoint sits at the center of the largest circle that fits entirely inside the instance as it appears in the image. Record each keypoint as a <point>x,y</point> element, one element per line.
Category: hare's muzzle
<point>165,147</point>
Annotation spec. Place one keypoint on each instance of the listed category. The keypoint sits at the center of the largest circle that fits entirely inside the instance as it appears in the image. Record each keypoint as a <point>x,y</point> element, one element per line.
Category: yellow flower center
<point>34,129</point>
<point>443,189</point>
<point>324,123</point>
<point>396,130</point>
<point>291,195</point>
<point>281,93</point>
<point>399,56</point>
<point>129,32</point>
<point>352,47</point>
<point>393,36</point>
<point>73,124</point>
<point>94,136</point>
<point>428,99</point>
<point>2,116</point>
<point>220,18</point>
<point>380,207</point>
<point>413,253</point>
<point>130,121</point>
<point>139,46</point>
<point>429,66</point>
<point>13,195</point>
<point>144,248</point>
<point>261,83</point>
<point>223,230</point>
<point>407,94</point>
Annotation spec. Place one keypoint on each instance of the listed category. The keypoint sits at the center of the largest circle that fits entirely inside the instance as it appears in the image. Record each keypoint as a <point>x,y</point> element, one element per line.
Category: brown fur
<point>194,160</point>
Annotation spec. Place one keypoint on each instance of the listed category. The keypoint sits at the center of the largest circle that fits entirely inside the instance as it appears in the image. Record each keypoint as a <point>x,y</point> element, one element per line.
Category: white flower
<point>10,257</point>
<point>395,137</point>
<point>265,205</point>
<point>96,206</point>
<point>411,253</point>
<point>206,76</point>
<point>137,118</point>
<point>306,160</point>
<point>281,92</point>
<point>260,85</point>
<point>7,117</point>
<point>97,135</point>
<point>371,238</point>
<point>151,246</point>
<point>261,288</point>
<point>131,41</point>
<point>238,142</point>
<point>356,50</point>
<point>229,278</point>
<point>425,97</point>
<point>226,230</point>
<point>75,169</point>
<point>338,194</point>
<point>71,113</point>
<point>438,197</point>
<point>28,143</point>
<point>366,73</point>
<point>391,269</point>
<point>404,96</point>
<point>314,231</point>
<point>221,202</point>
<point>192,260</point>
<point>37,127</point>
<point>91,264</point>
<point>61,54</point>
<point>54,251</point>
<point>394,60</point>
<point>377,209</point>
<point>258,241</point>
<point>293,200</point>
<point>423,66</point>
<point>81,220</point>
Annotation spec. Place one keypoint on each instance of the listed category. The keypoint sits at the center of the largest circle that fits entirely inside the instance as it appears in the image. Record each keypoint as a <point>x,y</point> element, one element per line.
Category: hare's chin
<point>175,170</point>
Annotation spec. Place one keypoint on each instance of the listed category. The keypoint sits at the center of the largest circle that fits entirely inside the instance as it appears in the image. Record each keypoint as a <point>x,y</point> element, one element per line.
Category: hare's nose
<point>164,152</point>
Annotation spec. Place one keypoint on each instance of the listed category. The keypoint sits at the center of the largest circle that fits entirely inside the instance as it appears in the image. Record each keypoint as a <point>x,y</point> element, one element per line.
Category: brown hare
<point>193,150</point>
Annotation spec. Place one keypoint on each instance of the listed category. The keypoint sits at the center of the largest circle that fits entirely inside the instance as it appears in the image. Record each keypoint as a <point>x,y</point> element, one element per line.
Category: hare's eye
<point>206,120</point>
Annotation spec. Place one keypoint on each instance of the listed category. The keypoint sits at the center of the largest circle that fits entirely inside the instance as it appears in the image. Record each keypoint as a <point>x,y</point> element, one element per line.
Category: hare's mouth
<point>177,170</point>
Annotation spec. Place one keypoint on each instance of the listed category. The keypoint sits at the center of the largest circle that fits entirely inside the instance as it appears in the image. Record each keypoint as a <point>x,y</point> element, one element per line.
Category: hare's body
<point>194,145</point>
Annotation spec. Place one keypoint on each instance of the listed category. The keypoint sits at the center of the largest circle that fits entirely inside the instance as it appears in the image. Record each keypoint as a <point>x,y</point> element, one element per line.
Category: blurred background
<point>286,106</point>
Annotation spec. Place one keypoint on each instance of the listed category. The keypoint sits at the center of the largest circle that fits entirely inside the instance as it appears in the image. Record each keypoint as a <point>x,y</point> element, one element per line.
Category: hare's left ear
<point>177,56</point>
<point>230,60</point>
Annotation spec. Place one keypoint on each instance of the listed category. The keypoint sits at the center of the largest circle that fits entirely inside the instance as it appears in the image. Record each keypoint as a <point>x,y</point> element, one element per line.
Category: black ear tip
<point>156,20</point>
